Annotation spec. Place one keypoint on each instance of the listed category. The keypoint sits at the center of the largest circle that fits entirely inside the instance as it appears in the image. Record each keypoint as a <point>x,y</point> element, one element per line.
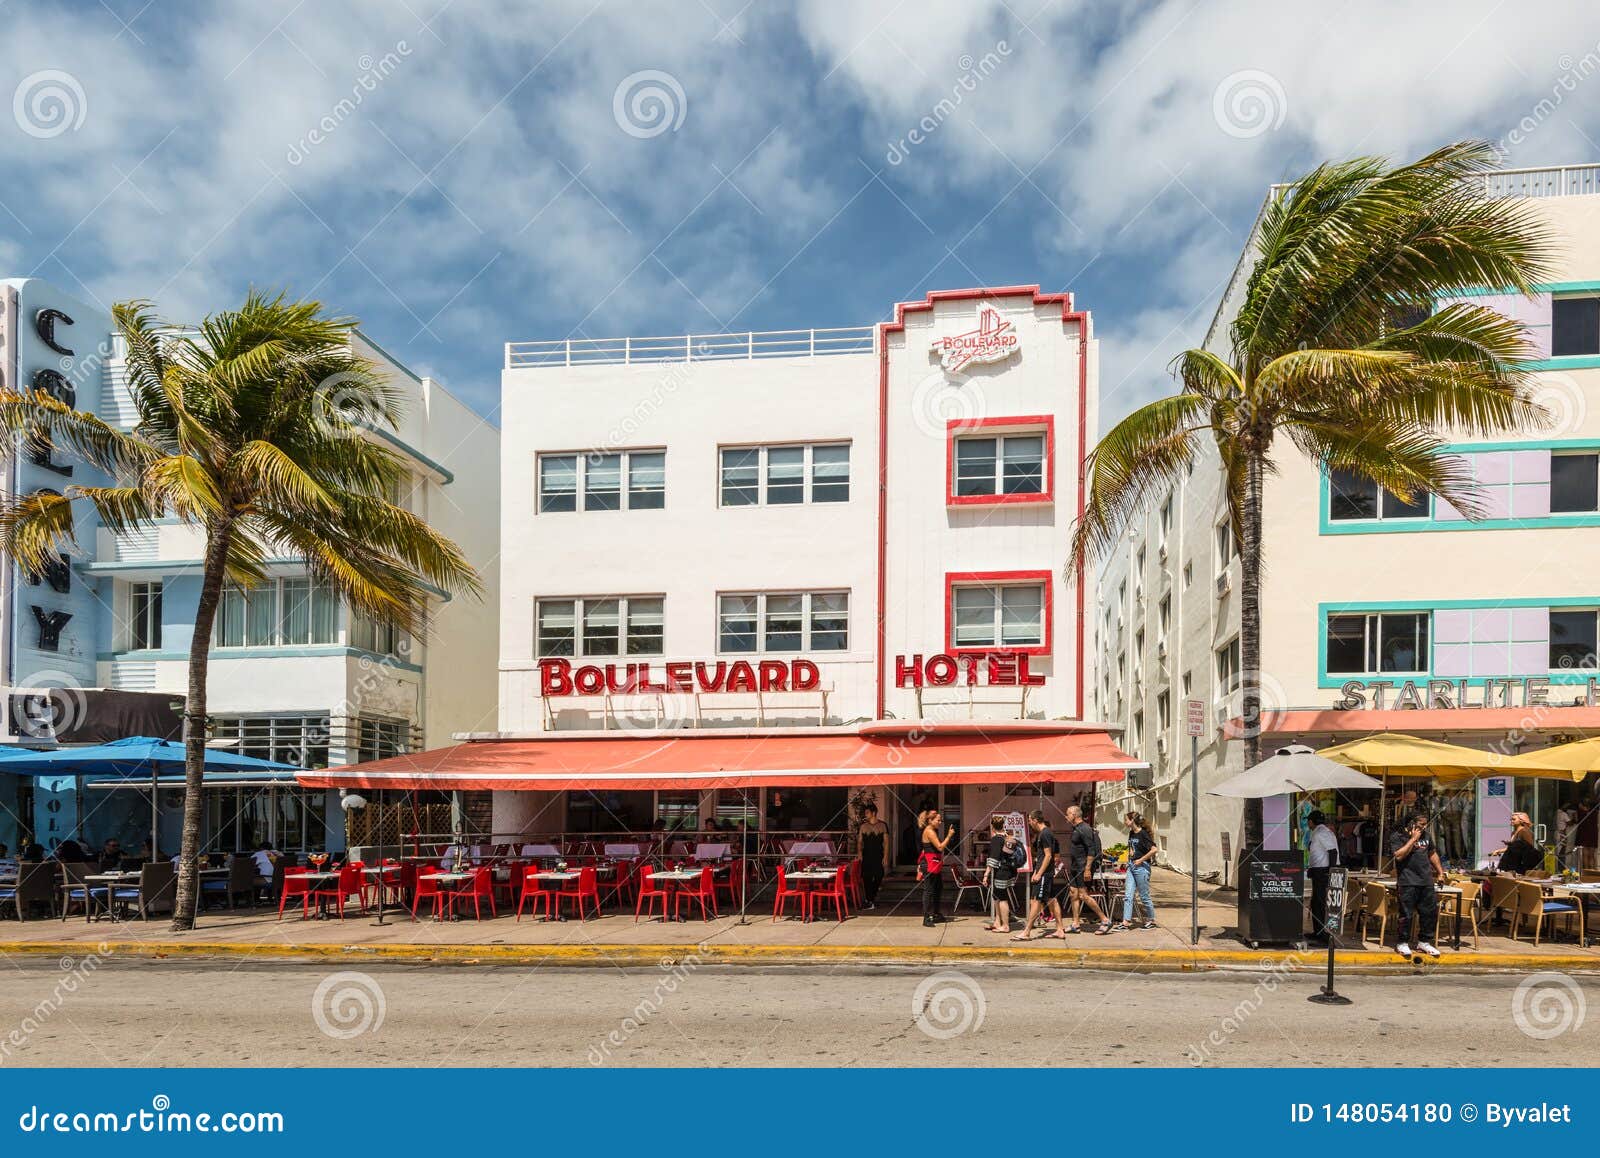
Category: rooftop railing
<point>691,348</point>
<point>1550,181</point>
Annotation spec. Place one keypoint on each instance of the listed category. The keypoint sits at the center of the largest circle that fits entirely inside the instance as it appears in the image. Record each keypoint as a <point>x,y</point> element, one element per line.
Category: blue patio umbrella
<point>132,756</point>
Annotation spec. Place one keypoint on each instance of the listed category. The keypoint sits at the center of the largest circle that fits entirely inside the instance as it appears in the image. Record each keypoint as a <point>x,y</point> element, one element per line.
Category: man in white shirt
<point>1322,853</point>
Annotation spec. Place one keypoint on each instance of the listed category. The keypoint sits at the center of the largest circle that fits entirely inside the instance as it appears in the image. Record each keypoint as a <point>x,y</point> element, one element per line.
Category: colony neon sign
<point>994,340</point>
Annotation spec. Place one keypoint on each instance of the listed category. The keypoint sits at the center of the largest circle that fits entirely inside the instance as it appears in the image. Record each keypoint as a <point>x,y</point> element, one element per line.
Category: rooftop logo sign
<point>994,340</point>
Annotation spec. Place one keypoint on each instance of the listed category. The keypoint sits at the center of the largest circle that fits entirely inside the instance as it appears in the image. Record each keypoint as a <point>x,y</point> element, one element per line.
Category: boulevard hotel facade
<point>756,577</point>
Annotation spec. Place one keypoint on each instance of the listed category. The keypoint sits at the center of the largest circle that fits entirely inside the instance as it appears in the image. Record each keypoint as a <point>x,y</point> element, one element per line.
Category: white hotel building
<point>719,546</point>
<point>294,676</point>
<point>1379,616</point>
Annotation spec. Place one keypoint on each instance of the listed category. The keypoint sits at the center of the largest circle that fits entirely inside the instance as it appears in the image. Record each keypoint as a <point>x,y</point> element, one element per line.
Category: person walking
<point>1418,871</point>
<point>1083,848</point>
<point>1322,853</point>
<point>1000,873</point>
<point>874,845</point>
<point>930,866</point>
<point>1141,855</point>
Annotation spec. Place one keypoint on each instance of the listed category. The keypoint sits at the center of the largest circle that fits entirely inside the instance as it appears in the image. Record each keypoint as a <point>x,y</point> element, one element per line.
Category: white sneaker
<point>1427,948</point>
<point>1403,949</point>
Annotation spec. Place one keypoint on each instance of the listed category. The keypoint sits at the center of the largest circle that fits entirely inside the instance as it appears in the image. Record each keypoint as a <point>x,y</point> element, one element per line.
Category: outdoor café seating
<point>477,890</point>
<point>1531,904</point>
<point>241,881</point>
<point>75,890</point>
<point>340,890</point>
<point>295,886</point>
<point>533,890</point>
<point>584,888</point>
<point>36,886</point>
<point>786,893</point>
<point>703,892</point>
<point>649,893</point>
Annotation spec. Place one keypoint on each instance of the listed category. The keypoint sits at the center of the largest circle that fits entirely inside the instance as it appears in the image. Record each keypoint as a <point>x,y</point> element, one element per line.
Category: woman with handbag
<point>930,865</point>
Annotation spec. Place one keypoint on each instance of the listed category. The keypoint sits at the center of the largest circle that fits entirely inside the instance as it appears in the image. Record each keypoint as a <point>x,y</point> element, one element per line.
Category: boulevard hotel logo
<point>994,340</point>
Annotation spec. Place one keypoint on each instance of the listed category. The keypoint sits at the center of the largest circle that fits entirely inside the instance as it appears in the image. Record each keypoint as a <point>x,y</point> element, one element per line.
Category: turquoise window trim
<point>313,651</point>
<point>1328,526</point>
<point>1556,677</point>
<point>1552,287</point>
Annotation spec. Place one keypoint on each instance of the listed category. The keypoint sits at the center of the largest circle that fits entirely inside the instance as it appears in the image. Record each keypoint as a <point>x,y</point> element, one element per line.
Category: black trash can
<point>1272,892</point>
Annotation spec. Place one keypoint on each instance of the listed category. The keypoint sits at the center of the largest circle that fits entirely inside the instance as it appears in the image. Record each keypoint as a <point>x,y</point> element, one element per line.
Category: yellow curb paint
<point>1127,960</point>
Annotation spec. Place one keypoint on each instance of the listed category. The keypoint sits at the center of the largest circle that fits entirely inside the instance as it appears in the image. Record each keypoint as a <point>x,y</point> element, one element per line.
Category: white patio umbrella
<point>1293,769</point>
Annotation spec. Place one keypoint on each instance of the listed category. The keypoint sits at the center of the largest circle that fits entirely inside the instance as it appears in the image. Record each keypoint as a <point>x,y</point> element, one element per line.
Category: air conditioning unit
<point>1138,779</point>
<point>1161,745</point>
<point>1161,552</point>
<point>1138,596</point>
<point>1161,649</point>
<point>1224,583</point>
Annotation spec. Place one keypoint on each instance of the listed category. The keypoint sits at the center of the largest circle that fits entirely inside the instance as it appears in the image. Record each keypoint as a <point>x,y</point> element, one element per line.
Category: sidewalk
<point>885,935</point>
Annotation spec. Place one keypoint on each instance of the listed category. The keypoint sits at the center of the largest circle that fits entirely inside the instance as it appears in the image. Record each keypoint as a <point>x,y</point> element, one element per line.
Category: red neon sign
<point>558,677</point>
<point>998,669</point>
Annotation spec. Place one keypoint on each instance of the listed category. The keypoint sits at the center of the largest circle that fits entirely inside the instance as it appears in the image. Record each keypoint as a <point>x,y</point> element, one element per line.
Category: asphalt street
<point>174,1014</point>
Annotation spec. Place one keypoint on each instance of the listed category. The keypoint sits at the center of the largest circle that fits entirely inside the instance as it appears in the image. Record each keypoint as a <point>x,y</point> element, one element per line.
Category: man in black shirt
<point>1085,847</point>
<point>1041,885</point>
<point>999,873</point>
<point>1417,871</point>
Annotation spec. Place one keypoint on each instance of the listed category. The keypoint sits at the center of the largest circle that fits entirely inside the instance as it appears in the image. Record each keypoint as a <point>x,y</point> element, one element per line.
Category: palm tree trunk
<point>194,727</point>
<point>1250,522</point>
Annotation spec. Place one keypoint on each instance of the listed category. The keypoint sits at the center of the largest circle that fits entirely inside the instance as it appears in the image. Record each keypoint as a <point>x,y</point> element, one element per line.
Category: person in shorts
<point>1000,873</point>
<point>1041,887</point>
<point>1084,846</point>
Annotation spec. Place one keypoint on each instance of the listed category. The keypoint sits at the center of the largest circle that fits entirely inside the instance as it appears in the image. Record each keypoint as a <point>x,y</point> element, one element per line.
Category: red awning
<point>915,754</point>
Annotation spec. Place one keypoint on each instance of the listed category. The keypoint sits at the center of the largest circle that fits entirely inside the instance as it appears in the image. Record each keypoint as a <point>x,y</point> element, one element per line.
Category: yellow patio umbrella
<point>1576,759</point>
<point>1395,754</point>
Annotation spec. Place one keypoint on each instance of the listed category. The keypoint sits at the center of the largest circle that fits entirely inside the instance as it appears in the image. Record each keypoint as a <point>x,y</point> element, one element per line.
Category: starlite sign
<point>1530,692</point>
<point>994,340</point>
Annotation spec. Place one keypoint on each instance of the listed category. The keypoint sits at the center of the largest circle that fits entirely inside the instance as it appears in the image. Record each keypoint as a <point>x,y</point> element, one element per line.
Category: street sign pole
<point>1195,724</point>
<point>1332,926</point>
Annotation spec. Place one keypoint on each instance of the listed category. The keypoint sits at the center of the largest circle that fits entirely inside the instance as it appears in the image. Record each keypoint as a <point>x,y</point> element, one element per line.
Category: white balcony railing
<point>691,348</point>
<point>1550,181</point>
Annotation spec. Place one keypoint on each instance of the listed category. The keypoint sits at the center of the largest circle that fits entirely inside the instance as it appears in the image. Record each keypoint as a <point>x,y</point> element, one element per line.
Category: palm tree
<point>252,431</point>
<point>1338,349</point>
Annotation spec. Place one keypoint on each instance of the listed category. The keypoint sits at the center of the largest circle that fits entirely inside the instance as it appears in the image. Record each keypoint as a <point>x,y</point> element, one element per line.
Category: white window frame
<point>995,590</point>
<point>583,462</point>
<point>625,625</point>
<point>279,611</point>
<point>808,621</point>
<point>808,473</point>
<point>997,477</point>
<point>151,612</point>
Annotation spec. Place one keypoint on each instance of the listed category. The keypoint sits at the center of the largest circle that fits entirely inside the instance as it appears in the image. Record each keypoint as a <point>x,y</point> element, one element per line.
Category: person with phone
<point>1417,872</point>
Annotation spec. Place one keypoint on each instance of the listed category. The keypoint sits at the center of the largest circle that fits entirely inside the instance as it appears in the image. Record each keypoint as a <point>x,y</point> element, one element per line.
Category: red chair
<point>428,889</point>
<point>729,884</point>
<point>620,885</point>
<point>584,888</point>
<point>837,891</point>
<point>648,892</point>
<point>785,893</point>
<point>295,885</point>
<point>478,890</point>
<point>348,885</point>
<point>533,890</point>
<point>704,890</point>
<point>858,891</point>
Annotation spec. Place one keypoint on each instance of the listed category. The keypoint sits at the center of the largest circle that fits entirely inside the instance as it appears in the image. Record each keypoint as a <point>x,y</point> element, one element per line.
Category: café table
<point>387,875</point>
<point>674,879</point>
<point>559,877</point>
<point>110,880</point>
<point>1393,886</point>
<point>812,879</point>
<point>1583,892</point>
<point>448,882</point>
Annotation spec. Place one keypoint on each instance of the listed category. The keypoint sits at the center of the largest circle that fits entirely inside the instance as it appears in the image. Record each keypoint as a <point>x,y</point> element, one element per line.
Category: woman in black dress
<point>874,845</point>
<point>930,865</point>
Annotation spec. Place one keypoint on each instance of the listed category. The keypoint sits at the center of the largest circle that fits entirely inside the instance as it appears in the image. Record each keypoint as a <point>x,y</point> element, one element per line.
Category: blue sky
<point>460,173</point>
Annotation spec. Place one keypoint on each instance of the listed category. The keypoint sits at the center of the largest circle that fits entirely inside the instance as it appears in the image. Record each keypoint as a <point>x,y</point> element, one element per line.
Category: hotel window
<point>1227,545</point>
<point>633,480</point>
<point>1572,640</point>
<point>1138,733</point>
<point>1574,482</point>
<point>298,740</point>
<point>998,616</point>
<point>1378,643</point>
<point>1228,668</point>
<point>1008,464</point>
<point>1351,496</point>
<point>1164,712</point>
<point>278,613</point>
<point>783,621</point>
<point>631,625</point>
<point>144,616</point>
<point>1574,326</point>
<point>1164,615</point>
<point>1166,518</point>
<point>779,476</point>
<point>377,636</point>
<point>382,737</point>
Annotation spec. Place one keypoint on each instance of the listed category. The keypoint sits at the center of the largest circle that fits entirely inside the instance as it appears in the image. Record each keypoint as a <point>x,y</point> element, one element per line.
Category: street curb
<point>672,956</point>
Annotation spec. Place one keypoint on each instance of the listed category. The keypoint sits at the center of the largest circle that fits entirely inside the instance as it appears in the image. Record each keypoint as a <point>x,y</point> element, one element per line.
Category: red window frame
<point>954,579</point>
<point>1000,425</point>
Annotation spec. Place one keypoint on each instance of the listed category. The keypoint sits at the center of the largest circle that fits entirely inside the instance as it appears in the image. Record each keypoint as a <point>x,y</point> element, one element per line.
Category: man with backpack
<point>1006,856</point>
<point>1084,850</point>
